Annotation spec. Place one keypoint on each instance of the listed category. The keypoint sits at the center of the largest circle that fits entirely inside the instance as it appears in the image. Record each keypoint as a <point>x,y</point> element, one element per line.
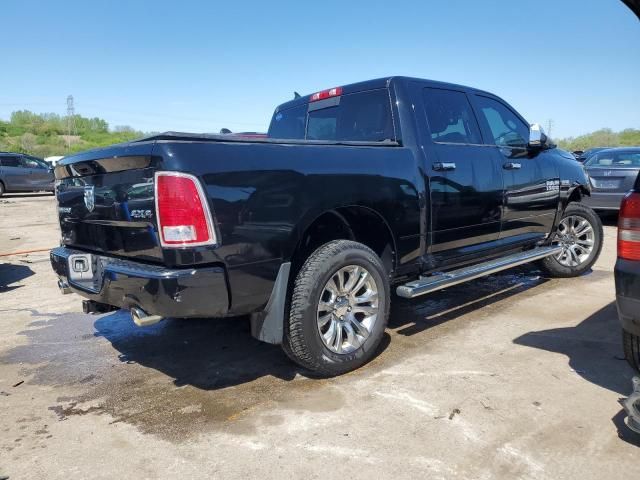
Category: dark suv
<point>24,173</point>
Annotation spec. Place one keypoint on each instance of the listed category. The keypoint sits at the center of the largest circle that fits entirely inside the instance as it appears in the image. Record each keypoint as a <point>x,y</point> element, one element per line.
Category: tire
<point>2,189</point>
<point>310,344</point>
<point>631,346</point>
<point>561,266</point>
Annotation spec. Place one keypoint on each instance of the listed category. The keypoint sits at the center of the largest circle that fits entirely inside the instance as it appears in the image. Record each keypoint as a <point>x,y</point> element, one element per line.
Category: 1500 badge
<point>553,185</point>
<point>141,214</point>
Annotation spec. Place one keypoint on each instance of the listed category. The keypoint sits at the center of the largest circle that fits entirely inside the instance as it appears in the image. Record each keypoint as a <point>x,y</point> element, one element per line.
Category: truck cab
<point>484,188</point>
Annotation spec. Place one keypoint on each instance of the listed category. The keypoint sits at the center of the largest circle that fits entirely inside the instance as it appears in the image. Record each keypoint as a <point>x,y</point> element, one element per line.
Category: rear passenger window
<point>450,117</point>
<point>506,128</point>
<point>9,161</point>
<point>364,116</point>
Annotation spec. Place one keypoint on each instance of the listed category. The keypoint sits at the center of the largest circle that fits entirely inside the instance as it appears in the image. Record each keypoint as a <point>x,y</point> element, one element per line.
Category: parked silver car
<point>24,173</point>
<point>613,173</point>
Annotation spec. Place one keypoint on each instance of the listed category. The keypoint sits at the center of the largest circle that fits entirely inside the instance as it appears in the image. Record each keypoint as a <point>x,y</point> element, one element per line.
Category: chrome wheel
<point>348,309</point>
<point>577,238</point>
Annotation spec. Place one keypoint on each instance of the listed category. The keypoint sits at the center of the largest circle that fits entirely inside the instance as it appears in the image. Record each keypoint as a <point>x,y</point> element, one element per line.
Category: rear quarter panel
<point>264,196</point>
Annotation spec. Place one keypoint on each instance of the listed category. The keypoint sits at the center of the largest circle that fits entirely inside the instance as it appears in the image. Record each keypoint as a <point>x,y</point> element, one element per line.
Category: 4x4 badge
<point>89,197</point>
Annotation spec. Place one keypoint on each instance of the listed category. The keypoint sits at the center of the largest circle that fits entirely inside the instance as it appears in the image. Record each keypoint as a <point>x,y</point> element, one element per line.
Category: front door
<point>39,176</point>
<point>531,182</point>
<point>464,177</point>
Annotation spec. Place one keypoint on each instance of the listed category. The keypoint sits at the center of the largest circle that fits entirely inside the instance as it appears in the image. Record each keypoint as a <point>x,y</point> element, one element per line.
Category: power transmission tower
<point>71,120</point>
<point>549,127</point>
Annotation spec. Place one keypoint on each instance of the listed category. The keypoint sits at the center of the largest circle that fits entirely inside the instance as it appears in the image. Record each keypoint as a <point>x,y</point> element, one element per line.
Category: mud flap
<point>268,325</point>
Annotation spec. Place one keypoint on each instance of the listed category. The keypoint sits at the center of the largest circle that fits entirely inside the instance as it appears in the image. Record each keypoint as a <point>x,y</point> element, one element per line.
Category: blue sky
<point>202,65</point>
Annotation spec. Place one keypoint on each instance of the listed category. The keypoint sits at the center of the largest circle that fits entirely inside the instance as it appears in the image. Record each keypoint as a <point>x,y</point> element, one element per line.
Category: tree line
<point>604,137</point>
<point>48,134</point>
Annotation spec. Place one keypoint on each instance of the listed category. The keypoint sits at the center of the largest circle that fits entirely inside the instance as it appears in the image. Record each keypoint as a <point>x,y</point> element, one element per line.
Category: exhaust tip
<point>64,287</point>
<point>142,318</point>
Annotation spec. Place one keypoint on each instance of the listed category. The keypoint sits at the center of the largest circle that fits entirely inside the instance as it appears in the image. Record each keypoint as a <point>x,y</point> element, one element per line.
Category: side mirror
<point>538,140</point>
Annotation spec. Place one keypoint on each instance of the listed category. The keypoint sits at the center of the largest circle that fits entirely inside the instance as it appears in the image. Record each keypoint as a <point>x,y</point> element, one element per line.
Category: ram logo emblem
<point>90,197</point>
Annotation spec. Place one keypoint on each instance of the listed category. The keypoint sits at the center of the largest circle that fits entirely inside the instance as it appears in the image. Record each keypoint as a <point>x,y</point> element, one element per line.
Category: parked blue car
<point>24,173</point>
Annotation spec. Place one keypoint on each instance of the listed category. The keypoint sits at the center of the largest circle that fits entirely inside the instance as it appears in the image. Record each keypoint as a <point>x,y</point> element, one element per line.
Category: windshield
<point>614,159</point>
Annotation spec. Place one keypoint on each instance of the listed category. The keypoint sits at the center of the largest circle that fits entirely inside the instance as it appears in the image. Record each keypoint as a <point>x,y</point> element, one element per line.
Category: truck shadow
<point>11,273</point>
<point>594,350</point>
<point>212,354</point>
<point>208,354</point>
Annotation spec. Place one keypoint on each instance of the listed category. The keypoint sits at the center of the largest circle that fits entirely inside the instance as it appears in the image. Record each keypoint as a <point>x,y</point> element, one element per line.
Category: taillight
<point>332,92</point>
<point>629,228</point>
<point>184,219</point>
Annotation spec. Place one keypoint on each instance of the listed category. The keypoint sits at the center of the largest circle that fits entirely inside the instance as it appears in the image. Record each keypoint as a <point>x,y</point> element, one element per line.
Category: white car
<point>54,159</point>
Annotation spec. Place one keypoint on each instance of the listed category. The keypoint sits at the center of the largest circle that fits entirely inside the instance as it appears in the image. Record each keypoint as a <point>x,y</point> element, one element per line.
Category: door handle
<point>444,166</point>
<point>512,166</point>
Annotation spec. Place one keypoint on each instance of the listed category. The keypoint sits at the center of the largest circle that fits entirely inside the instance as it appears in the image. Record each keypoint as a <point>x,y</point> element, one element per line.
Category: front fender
<point>574,179</point>
<point>574,182</point>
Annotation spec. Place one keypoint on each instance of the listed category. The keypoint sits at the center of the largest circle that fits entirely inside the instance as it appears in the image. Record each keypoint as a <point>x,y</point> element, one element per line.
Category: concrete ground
<point>511,376</point>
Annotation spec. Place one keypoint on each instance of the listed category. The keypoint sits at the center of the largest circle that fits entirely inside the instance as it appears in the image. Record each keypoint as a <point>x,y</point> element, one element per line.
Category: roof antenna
<point>296,95</point>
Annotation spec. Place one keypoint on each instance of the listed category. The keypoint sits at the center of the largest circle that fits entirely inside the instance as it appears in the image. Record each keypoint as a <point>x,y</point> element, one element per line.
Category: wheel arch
<point>354,222</point>
<point>576,194</point>
<point>351,222</point>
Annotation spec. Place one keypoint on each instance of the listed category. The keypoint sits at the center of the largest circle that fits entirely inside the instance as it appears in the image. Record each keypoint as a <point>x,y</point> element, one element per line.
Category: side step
<point>443,280</point>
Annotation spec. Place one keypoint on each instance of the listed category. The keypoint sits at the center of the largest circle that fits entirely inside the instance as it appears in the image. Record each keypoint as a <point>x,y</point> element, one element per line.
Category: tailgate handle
<point>444,166</point>
<point>512,166</point>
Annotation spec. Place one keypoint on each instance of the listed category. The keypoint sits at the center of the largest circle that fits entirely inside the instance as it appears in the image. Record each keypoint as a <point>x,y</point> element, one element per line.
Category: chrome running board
<point>439,281</point>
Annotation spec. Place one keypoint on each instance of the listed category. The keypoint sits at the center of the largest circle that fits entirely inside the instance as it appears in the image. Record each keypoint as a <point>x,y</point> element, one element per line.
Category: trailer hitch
<point>632,406</point>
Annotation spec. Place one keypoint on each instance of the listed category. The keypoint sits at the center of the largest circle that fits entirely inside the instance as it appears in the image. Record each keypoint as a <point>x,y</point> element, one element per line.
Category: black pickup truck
<point>396,183</point>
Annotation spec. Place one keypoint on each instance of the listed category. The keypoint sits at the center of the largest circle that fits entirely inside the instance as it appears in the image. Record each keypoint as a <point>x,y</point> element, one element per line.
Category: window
<point>289,123</point>
<point>28,162</point>
<point>322,124</point>
<point>363,116</point>
<point>450,116</point>
<point>10,161</point>
<point>505,126</point>
<point>41,163</point>
<point>614,159</point>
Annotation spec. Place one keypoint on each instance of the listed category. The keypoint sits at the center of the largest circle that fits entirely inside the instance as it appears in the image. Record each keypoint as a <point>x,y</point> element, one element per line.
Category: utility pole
<point>71,121</point>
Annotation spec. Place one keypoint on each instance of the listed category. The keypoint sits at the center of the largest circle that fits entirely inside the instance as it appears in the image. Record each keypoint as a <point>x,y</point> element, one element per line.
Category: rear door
<point>13,174</point>
<point>531,182</point>
<point>464,177</point>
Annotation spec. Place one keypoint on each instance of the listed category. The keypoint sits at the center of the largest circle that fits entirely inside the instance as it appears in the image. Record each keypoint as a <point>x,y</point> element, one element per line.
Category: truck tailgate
<point>106,205</point>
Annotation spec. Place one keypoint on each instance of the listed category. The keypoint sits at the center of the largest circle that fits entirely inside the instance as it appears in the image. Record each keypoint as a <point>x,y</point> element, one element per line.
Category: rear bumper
<point>604,201</point>
<point>627,275</point>
<point>190,292</point>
